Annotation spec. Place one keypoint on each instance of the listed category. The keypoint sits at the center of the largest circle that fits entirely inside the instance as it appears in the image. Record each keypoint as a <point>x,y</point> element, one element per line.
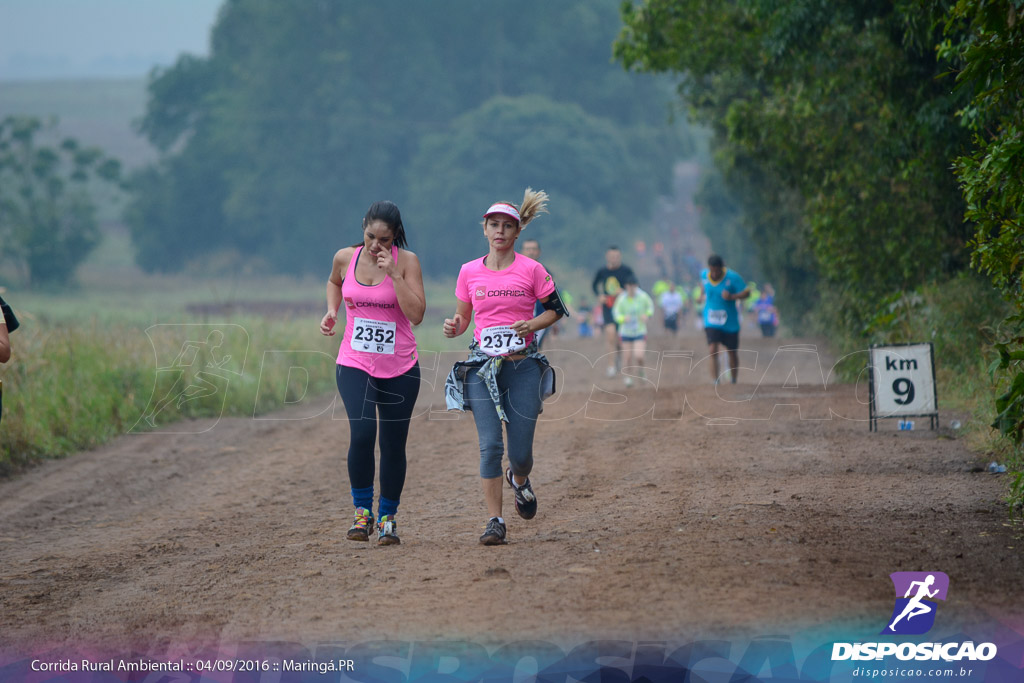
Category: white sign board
<point>904,381</point>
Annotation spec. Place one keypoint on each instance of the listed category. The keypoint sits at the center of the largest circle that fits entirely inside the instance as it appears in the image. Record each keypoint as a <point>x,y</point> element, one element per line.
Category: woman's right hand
<point>453,326</point>
<point>327,324</point>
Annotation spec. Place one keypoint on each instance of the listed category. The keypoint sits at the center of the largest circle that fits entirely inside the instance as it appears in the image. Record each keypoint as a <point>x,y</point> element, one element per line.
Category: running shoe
<point>362,526</point>
<point>495,532</point>
<point>387,531</point>
<point>526,501</point>
<point>610,371</point>
<point>629,381</point>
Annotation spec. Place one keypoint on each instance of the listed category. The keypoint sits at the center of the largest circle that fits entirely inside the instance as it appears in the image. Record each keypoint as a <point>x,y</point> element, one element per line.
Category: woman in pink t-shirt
<point>503,379</point>
<point>381,285</point>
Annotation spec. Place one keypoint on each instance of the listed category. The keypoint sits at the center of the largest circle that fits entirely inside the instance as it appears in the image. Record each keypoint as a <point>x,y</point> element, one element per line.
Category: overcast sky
<point>52,39</point>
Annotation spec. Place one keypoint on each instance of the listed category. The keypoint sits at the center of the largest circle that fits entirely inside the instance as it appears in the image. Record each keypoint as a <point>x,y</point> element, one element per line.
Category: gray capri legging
<point>519,384</point>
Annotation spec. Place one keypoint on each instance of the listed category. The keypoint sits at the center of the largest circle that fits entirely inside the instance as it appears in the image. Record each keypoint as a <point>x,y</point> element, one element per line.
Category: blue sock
<point>363,498</point>
<point>387,507</point>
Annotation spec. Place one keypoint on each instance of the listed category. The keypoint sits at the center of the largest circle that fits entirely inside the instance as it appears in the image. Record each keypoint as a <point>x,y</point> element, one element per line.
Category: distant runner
<point>697,296</point>
<point>721,289</point>
<point>531,249</point>
<point>672,302</point>
<point>767,314</point>
<point>632,309</point>
<point>607,284</point>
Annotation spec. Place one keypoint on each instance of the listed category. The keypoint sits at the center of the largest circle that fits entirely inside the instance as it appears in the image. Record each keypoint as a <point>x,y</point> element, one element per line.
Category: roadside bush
<point>74,387</point>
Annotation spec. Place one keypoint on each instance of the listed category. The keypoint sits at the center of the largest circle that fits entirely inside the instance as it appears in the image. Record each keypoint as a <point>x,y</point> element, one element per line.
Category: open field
<point>97,112</point>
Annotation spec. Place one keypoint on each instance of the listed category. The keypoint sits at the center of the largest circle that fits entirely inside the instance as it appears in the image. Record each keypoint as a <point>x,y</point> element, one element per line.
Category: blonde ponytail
<point>534,202</point>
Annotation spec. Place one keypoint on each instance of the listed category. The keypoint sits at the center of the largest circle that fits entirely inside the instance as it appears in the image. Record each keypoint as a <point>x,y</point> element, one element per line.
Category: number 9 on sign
<point>904,390</point>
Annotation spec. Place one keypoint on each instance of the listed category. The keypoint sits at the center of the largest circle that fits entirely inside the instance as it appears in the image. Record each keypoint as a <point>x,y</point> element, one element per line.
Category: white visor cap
<point>502,207</point>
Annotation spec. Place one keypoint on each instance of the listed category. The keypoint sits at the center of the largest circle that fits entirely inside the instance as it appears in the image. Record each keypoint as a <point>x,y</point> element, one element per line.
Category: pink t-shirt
<point>378,337</point>
<point>500,298</point>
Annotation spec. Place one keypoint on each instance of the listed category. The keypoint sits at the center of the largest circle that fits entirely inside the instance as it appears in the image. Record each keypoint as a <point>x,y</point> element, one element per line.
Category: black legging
<point>394,398</point>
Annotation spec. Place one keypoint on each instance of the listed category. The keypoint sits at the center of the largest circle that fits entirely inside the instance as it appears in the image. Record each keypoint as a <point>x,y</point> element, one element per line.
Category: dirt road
<point>671,510</point>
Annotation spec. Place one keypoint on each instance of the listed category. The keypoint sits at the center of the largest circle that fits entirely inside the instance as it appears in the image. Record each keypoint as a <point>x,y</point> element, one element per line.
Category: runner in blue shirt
<point>721,288</point>
<point>767,314</point>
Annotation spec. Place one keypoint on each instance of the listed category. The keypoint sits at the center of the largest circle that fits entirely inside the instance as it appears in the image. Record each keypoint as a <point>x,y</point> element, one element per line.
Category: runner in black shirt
<point>608,282</point>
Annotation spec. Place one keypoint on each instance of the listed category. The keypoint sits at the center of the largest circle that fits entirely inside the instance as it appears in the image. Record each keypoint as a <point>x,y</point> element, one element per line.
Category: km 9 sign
<point>902,381</point>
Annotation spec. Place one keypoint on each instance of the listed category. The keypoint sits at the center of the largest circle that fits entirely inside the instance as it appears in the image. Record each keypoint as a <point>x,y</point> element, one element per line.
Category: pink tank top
<point>378,337</point>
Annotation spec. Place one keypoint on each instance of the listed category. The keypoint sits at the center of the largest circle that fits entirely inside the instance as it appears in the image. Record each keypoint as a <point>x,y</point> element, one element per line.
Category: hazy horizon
<point>71,39</point>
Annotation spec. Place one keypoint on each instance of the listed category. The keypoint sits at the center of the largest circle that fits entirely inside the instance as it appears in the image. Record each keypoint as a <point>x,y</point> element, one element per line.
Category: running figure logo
<point>914,612</point>
<point>199,372</point>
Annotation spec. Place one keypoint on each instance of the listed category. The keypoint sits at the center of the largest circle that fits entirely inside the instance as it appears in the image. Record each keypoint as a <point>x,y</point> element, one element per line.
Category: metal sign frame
<point>873,417</point>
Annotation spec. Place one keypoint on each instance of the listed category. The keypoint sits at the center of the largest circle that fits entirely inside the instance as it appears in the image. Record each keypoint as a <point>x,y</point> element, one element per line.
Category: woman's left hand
<point>521,327</point>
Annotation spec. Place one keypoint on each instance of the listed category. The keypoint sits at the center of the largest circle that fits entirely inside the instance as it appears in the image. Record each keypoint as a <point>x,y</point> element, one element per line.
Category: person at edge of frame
<point>8,323</point>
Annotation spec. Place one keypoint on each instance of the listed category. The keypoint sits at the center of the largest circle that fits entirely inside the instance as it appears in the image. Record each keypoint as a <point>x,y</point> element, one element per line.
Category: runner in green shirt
<point>631,311</point>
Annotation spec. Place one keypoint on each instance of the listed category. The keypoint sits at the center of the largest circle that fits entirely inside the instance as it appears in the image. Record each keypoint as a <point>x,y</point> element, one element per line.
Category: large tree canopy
<point>587,162</point>
<point>832,125</point>
<point>305,113</point>
<point>986,42</point>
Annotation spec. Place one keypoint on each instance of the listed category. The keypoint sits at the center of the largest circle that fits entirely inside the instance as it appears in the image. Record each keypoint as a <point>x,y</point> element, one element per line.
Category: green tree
<point>47,217</point>
<point>986,41</point>
<point>595,172</point>
<point>833,105</point>
<point>305,113</point>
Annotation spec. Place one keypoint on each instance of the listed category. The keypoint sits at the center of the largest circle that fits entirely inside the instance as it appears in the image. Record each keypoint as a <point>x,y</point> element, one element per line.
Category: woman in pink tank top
<point>380,284</point>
